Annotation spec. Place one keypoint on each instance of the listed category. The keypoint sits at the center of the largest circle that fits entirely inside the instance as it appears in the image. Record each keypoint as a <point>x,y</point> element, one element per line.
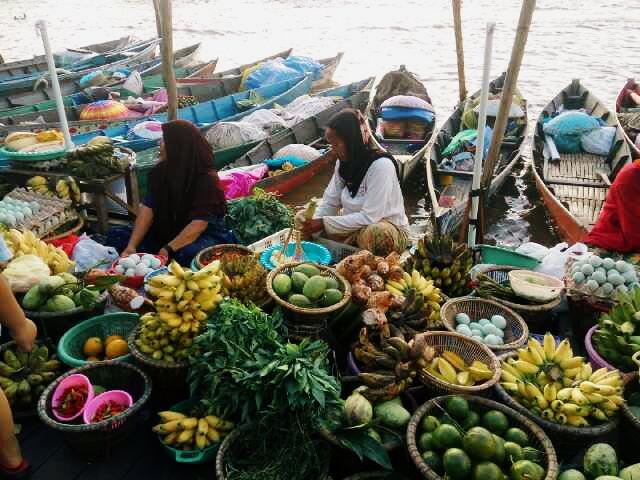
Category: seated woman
<point>363,204</point>
<point>184,209</point>
<point>618,226</point>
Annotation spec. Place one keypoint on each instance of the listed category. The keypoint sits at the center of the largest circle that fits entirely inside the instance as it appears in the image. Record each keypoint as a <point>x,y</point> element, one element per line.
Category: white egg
<point>499,333</point>
<point>155,262</point>
<point>476,332</point>
<point>141,269</point>
<point>130,272</point>
<point>499,321</point>
<point>35,206</point>
<point>147,258</point>
<point>492,340</point>
<point>463,318</point>
<point>463,329</point>
<point>135,258</point>
<point>19,216</point>
<point>119,269</point>
<point>127,263</point>
<point>475,326</point>
<point>608,263</point>
<point>484,321</point>
<point>11,220</point>
<point>27,211</point>
<point>487,329</point>
<point>478,338</point>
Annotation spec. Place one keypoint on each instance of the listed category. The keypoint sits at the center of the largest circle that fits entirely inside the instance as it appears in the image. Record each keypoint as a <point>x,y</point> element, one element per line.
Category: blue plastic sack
<point>599,141</point>
<point>278,162</point>
<point>305,65</point>
<point>568,128</point>
<point>270,72</point>
<point>400,113</point>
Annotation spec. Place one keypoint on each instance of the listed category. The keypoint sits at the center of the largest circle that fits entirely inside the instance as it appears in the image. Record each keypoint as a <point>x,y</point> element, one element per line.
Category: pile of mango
<point>306,287</point>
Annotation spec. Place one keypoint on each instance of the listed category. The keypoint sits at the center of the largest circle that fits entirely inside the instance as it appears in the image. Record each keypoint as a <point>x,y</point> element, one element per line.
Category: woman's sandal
<point>21,471</point>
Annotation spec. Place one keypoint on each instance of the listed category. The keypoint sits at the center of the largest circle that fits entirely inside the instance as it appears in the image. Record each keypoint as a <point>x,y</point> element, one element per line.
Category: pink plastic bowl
<point>77,379</point>
<point>119,396</point>
<point>595,359</point>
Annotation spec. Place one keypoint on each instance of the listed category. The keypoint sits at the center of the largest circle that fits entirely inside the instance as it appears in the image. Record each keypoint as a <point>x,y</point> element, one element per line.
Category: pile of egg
<point>137,265</point>
<point>489,332</point>
<point>14,212</point>
<point>604,276</point>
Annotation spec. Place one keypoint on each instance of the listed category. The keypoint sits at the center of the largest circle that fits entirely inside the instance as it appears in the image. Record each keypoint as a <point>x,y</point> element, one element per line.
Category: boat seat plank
<point>576,169</point>
<point>584,202</point>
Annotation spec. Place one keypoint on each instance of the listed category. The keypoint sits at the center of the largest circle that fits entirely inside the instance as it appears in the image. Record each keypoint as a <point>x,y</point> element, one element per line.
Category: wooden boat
<point>38,63</point>
<point>622,111</point>
<point>12,92</point>
<point>573,187</point>
<point>251,154</point>
<point>46,115</point>
<point>408,153</point>
<point>206,113</point>
<point>449,190</point>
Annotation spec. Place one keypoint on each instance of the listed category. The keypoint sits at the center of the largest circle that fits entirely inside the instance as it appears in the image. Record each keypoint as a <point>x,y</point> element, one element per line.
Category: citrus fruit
<point>116,348</point>
<point>425,442</point>
<point>111,338</point>
<point>572,474</point>
<point>432,459</point>
<point>495,422</point>
<point>92,359</point>
<point>446,436</point>
<point>458,408</point>
<point>457,464</point>
<point>487,471</point>
<point>93,347</point>
<point>512,452</point>
<point>472,420</point>
<point>479,443</point>
<point>429,423</point>
<point>499,456</point>
<point>517,435</point>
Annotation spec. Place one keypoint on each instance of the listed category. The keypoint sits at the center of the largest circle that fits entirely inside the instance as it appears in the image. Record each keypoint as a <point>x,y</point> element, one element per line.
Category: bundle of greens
<point>257,216</point>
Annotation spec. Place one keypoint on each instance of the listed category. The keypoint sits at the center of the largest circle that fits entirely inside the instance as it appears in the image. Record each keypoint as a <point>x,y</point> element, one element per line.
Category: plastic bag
<point>24,272</point>
<point>533,249</point>
<point>298,150</point>
<point>568,128</point>
<point>270,72</point>
<point>554,262</point>
<point>275,163</point>
<point>230,134</point>
<point>239,183</point>
<point>599,141</point>
<point>90,254</point>
<point>458,140</point>
<point>305,65</point>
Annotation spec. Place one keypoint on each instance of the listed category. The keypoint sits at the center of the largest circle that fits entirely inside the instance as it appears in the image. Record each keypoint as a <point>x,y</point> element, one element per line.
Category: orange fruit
<point>111,338</point>
<point>93,347</point>
<point>92,359</point>
<point>117,348</point>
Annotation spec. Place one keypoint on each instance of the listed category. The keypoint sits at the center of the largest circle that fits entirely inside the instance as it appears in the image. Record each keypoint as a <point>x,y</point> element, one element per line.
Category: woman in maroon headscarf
<point>184,209</point>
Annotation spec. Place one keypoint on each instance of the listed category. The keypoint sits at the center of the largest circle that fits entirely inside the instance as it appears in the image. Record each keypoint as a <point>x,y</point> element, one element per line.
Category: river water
<point>597,41</point>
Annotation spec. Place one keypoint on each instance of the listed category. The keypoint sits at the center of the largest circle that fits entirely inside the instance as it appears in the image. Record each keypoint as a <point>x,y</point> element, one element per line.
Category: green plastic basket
<point>503,256</point>
<point>71,344</point>
<point>192,457</point>
<point>32,157</point>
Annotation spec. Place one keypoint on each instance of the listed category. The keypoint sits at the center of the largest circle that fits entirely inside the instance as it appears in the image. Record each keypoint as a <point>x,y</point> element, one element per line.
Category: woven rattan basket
<point>566,433</point>
<point>309,316</point>
<point>209,254</point>
<point>469,350</point>
<point>539,439</point>
<point>516,333</point>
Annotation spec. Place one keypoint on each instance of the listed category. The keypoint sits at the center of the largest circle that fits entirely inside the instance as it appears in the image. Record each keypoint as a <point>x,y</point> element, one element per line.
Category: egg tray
<point>573,290</point>
<point>53,212</point>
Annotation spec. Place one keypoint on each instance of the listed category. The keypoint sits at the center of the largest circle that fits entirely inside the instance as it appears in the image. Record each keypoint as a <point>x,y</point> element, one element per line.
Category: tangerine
<point>92,359</point>
<point>93,347</point>
<point>117,348</point>
<point>111,338</point>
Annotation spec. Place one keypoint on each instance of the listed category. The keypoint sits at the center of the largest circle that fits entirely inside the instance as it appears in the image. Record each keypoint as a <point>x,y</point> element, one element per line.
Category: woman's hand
<point>25,335</point>
<point>163,253</point>
<point>128,251</point>
<point>312,226</point>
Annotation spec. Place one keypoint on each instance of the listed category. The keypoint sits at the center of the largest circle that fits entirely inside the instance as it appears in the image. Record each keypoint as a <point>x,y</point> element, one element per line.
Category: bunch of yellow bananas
<point>28,244</point>
<point>184,298</point>
<point>39,184</point>
<point>451,368</point>
<point>560,387</point>
<point>425,287</point>
<point>191,433</point>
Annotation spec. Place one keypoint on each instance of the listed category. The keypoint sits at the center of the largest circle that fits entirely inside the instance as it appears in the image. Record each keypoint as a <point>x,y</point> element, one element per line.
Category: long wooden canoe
<point>14,94</point>
<point>623,111</point>
<point>449,190</point>
<point>408,153</point>
<point>38,63</point>
<point>574,187</point>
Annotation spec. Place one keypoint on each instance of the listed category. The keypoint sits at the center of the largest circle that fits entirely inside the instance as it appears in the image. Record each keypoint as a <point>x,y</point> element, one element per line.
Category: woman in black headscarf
<point>184,210</point>
<point>363,204</point>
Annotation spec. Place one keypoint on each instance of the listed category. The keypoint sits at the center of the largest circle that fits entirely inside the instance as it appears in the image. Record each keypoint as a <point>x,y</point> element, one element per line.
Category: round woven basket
<point>98,439</point>
<point>631,385</point>
<point>213,253</point>
<point>515,334</point>
<point>469,350</point>
<point>555,429</point>
<point>309,316</point>
<point>165,375</point>
<point>539,439</point>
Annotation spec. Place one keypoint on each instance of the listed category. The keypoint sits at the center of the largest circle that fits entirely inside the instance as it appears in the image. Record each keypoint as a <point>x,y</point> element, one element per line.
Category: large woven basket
<point>539,439</point>
<point>71,344</point>
<point>516,333</point>
<point>165,375</point>
<point>565,434</point>
<point>99,439</point>
<point>309,316</point>
<point>469,350</point>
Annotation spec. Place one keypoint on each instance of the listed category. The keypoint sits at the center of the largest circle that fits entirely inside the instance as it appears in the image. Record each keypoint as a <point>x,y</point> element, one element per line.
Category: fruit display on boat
<point>444,261</point>
<point>97,161</point>
<point>24,376</point>
<point>460,442</point>
<point>617,338</point>
<point>449,367</point>
<point>487,331</point>
<point>243,278</point>
<point>603,277</point>
<point>560,387</point>
<point>189,433</point>
<point>29,142</point>
<point>183,300</point>
<point>28,244</point>
<point>307,287</point>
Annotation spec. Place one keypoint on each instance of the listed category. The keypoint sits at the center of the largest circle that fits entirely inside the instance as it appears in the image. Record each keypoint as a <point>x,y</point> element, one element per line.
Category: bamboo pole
<point>156,8</point>
<point>167,60</point>
<point>509,88</point>
<point>457,25</point>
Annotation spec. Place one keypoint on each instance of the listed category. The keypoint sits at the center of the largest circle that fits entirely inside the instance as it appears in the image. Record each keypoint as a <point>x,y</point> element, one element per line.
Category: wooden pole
<point>167,60</point>
<point>509,88</point>
<point>156,8</point>
<point>457,25</point>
